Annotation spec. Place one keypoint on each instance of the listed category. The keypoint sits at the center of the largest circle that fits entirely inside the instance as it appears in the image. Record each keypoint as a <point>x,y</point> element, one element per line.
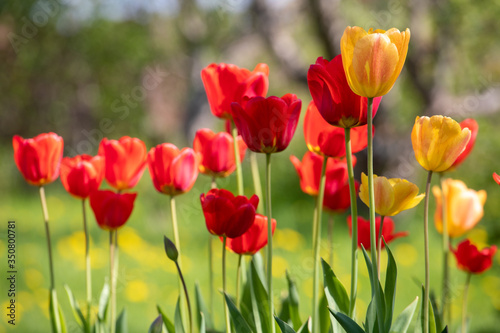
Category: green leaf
<point>371,317</point>
<point>437,314</point>
<point>306,327</point>
<point>103,304</point>
<point>55,313</point>
<point>403,321</point>
<point>156,326</point>
<point>239,323</point>
<point>284,313</point>
<point>121,322</point>
<point>260,301</point>
<point>390,286</point>
<point>168,323</point>
<point>445,330</point>
<point>62,320</point>
<point>179,328</point>
<point>202,312</point>
<point>259,266</point>
<point>285,328</point>
<point>347,323</point>
<point>419,328</point>
<point>246,304</point>
<point>80,319</point>
<point>325,324</point>
<point>377,295</point>
<point>335,289</point>
<point>293,302</point>
<point>202,324</point>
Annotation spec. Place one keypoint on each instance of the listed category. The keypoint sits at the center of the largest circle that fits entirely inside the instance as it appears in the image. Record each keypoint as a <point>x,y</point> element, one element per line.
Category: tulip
<point>124,161</point>
<point>173,171</point>
<point>215,152</point>
<point>392,196</point>
<point>464,207</point>
<point>254,239</point>
<point>470,259</point>
<point>111,209</point>
<point>335,100</point>
<point>496,178</point>
<point>267,124</point>
<point>82,174</point>
<point>227,215</point>
<point>438,141</point>
<point>472,125</point>
<point>309,171</point>
<point>364,231</point>
<point>337,198</point>
<point>373,59</point>
<point>226,83</point>
<point>38,159</point>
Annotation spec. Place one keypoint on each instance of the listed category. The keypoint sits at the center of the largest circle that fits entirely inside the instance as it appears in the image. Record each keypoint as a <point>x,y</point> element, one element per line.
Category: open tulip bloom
<point>254,239</point>
<point>82,174</point>
<point>364,231</point>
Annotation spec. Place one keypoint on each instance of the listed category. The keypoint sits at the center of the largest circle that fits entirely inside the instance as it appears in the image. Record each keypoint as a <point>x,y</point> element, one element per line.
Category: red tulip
<point>309,171</point>
<point>124,161</point>
<point>38,159</point>
<point>472,125</point>
<point>364,231</point>
<point>337,195</point>
<point>254,239</point>
<point>334,98</point>
<point>216,152</point>
<point>267,124</point>
<point>227,215</point>
<point>226,83</point>
<point>470,259</point>
<point>325,139</point>
<point>82,174</point>
<point>173,171</point>
<point>496,178</point>
<point>112,209</point>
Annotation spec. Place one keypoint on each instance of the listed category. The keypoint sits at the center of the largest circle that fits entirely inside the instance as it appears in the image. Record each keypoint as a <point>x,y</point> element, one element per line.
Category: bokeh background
<point>108,68</point>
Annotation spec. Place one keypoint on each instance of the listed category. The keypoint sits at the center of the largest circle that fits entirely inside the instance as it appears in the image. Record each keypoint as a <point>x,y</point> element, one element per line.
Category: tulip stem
<point>330,239</point>
<point>239,173</point>
<point>214,183</point>
<point>173,213</point>
<point>112,274</point>
<point>354,219</point>
<point>426,245</point>
<point>226,309</point>
<point>446,309</point>
<point>211,270</point>
<point>88,273</point>
<point>464,305</point>
<point>379,244</point>
<point>317,242</point>
<point>187,296</point>
<point>256,179</point>
<point>238,277</point>
<point>269,241</point>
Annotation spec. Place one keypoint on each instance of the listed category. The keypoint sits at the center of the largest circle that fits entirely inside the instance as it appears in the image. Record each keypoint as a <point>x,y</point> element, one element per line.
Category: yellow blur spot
<point>55,207</point>
<point>406,255</point>
<point>137,291</point>
<point>360,310</point>
<point>280,266</point>
<point>491,287</point>
<point>26,299</point>
<point>307,286</point>
<point>479,237</point>
<point>34,279</point>
<point>287,239</point>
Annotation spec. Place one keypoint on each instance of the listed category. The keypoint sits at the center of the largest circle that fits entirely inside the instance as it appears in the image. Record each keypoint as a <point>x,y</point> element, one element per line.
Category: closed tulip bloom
<point>373,59</point>
<point>438,141</point>
<point>364,231</point>
<point>472,125</point>
<point>392,196</point>
<point>38,159</point>
<point>464,207</point>
<point>267,125</point>
<point>496,178</point>
<point>254,239</point>
<point>111,209</point>
<point>227,215</point>
<point>82,174</point>
<point>173,171</point>
<point>216,152</point>
<point>227,83</point>
<point>470,259</point>
<point>124,161</point>
<point>335,100</point>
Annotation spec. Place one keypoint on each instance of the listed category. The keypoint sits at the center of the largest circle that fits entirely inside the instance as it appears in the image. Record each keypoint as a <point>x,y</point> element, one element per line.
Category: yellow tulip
<point>392,196</point>
<point>373,59</point>
<point>438,141</point>
<point>464,207</point>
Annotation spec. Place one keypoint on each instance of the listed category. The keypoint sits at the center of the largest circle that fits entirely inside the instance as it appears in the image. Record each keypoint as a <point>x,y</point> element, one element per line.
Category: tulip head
<point>111,209</point>
<point>472,125</point>
<point>471,260</point>
<point>364,231</point>
<point>82,174</point>
<point>254,239</point>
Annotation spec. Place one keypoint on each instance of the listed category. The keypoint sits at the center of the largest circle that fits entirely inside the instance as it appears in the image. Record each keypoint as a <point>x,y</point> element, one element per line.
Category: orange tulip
<point>82,174</point>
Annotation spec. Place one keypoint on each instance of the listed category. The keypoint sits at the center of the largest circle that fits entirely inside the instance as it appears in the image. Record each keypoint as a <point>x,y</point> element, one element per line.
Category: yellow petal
<point>384,195</point>
<point>363,190</point>
<point>406,197</point>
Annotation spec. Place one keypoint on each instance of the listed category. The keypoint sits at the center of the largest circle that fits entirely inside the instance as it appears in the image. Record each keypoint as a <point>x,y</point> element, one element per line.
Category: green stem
<point>269,241</point>
<point>354,219</point>
<point>211,270</point>
<point>88,272</point>
<point>317,242</point>
<point>187,297</point>
<point>256,179</point>
<point>379,244</point>
<point>173,212</point>
<point>446,309</point>
<point>330,239</point>
<point>238,277</point>
<point>214,183</point>
<point>239,173</point>
<point>226,309</point>
<point>113,280</point>
<point>426,245</point>
<point>464,305</point>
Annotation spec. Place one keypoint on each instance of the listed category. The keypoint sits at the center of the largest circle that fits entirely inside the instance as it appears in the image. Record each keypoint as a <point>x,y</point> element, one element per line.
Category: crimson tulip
<point>364,231</point>
<point>254,239</point>
<point>82,174</point>
<point>173,171</point>
<point>216,152</point>
<point>111,209</point>
<point>335,100</point>
<point>470,259</point>
<point>267,124</point>
<point>227,83</point>
<point>227,215</point>
<point>472,125</point>
<point>39,158</point>
<point>124,161</point>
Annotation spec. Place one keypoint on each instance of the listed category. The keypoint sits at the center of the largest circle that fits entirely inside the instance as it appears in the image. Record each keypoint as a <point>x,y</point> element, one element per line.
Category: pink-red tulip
<point>470,259</point>
<point>472,125</point>
<point>82,174</point>
<point>111,209</point>
<point>364,231</point>
<point>254,239</point>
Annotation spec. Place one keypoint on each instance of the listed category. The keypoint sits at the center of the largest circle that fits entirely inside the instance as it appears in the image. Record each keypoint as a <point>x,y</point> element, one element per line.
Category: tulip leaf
<point>377,295</point>
<point>437,314</point>
<point>285,310</point>
<point>325,324</point>
<point>285,328</point>
<point>56,316</point>
<point>403,321</point>
<point>246,304</point>
<point>239,323</point>
<point>371,317</point>
<point>156,326</point>
<point>293,302</point>
<point>260,301</point>
<point>77,312</point>
<point>390,286</point>
<point>202,324</point>
<point>121,322</point>
<point>347,323</point>
<point>179,327</point>
<point>306,327</point>
<point>102,314</point>
<point>168,323</point>
<point>202,308</point>
<point>335,292</point>
<point>419,328</point>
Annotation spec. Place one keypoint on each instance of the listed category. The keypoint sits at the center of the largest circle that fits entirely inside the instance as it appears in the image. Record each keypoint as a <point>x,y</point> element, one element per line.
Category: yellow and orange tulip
<point>373,59</point>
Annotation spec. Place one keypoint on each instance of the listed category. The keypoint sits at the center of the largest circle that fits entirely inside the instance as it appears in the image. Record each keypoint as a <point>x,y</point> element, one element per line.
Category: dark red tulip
<point>111,209</point>
<point>227,83</point>
<point>472,125</point>
<point>364,231</point>
<point>227,215</point>
<point>470,259</point>
<point>335,100</point>
<point>173,171</point>
<point>267,124</point>
<point>38,159</point>
<point>82,174</point>
<point>254,239</point>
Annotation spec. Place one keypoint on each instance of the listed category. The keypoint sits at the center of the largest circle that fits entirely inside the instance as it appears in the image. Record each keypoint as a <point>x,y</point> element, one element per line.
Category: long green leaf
<point>202,324</point>
<point>419,328</point>
<point>179,327</point>
<point>239,323</point>
<point>260,301</point>
<point>121,322</point>
<point>55,313</point>
<point>347,323</point>
<point>293,302</point>
<point>202,308</point>
<point>403,321</point>
<point>371,317</point>
<point>325,324</point>
<point>246,304</point>
<point>168,323</point>
<point>306,327</point>
<point>80,318</point>
<point>390,286</point>
<point>379,299</point>
<point>437,314</point>
<point>156,326</point>
<point>285,328</point>
<point>103,304</point>
<point>334,287</point>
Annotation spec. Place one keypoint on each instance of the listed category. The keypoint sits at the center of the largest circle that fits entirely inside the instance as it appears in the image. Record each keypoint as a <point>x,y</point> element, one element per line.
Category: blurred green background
<point>109,68</point>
